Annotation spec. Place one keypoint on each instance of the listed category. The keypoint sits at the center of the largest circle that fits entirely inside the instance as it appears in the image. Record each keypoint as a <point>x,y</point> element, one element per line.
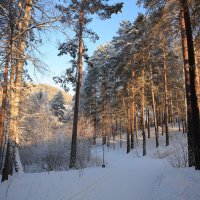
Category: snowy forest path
<point>87,189</point>
<point>122,179</point>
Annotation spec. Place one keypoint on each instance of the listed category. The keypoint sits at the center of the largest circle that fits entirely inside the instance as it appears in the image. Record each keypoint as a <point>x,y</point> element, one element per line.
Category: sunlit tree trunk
<point>136,122</point>
<point>12,154</point>
<point>78,87</point>
<point>4,100</point>
<point>154,107</point>
<point>148,124</point>
<point>142,112</point>
<point>18,80</point>
<point>190,133</point>
<point>128,134</point>
<point>128,129</point>
<point>197,79</point>
<point>133,126</point>
<point>133,111</point>
<point>166,97</point>
<point>172,110</point>
<point>9,159</point>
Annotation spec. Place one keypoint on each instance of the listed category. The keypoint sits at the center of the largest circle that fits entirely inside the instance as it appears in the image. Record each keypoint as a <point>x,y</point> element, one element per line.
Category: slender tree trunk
<point>162,122</point>
<point>148,124</point>
<point>95,130</point>
<point>136,123</point>
<point>142,112</point>
<point>183,125</point>
<point>166,97</point>
<point>178,114</point>
<point>133,110</point>
<point>154,107</point>
<point>120,134</point>
<point>172,111</point>
<point>186,116</point>
<point>77,95</point>
<point>133,126</point>
<point>128,129</point>
<point>185,96</point>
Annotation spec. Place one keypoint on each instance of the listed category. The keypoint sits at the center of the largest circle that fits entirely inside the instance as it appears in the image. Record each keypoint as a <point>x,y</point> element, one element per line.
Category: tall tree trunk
<point>192,68</point>
<point>78,87</point>
<point>133,126</point>
<point>120,134</point>
<point>133,110</point>
<point>142,112</point>
<point>136,123</point>
<point>162,122</point>
<point>178,114</point>
<point>95,130</point>
<point>183,125</point>
<point>128,129</point>
<point>166,96</point>
<point>197,84</point>
<point>128,134</point>
<point>172,111</point>
<point>148,124</point>
<point>154,107</point>
<point>4,100</point>
<point>18,81</point>
<point>12,154</point>
<point>9,159</point>
<point>95,120</point>
<point>190,125</point>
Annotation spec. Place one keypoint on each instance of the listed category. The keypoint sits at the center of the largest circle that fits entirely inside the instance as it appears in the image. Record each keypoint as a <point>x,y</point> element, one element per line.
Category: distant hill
<point>51,91</point>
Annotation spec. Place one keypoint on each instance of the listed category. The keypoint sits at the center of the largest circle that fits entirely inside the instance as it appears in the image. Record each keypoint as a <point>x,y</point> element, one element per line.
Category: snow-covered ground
<point>125,177</point>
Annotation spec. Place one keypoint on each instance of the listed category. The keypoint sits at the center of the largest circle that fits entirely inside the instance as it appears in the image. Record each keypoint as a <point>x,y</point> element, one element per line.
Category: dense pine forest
<point>137,95</point>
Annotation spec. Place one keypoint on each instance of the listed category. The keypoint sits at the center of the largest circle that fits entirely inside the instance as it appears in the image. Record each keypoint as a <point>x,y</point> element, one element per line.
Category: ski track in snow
<point>86,190</point>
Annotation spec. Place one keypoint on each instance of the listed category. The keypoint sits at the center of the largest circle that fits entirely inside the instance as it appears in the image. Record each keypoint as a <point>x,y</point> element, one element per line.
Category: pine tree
<point>79,13</point>
<point>57,106</point>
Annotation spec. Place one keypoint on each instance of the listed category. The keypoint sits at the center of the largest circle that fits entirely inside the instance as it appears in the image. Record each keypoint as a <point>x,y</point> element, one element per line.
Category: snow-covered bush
<point>83,152</point>
<point>45,141</point>
<point>179,156</point>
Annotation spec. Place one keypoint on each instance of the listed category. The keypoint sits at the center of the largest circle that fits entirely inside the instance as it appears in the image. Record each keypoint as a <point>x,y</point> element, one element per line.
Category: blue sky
<point>105,29</point>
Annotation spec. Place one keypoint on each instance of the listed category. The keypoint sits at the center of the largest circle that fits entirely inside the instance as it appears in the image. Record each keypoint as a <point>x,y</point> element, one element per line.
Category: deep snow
<point>126,177</point>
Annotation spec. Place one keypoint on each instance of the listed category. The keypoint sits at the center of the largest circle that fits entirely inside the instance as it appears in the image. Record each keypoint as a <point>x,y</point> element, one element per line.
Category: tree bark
<point>12,154</point>
<point>148,124</point>
<point>190,125</point>
<point>136,123</point>
<point>197,79</point>
<point>95,130</point>
<point>9,159</point>
<point>18,80</point>
<point>4,100</point>
<point>133,110</point>
<point>78,87</point>
<point>133,126</point>
<point>142,112</point>
<point>172,111</point>
<point>128,129</point>
<point>154,107</point>
<point>166,97</point>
